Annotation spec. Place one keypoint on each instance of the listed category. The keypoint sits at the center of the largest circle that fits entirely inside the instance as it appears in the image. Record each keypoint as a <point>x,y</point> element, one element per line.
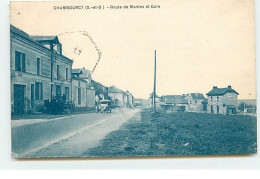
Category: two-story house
<point>119,97</point>
<point>38,69</point>
<point>222,100</point>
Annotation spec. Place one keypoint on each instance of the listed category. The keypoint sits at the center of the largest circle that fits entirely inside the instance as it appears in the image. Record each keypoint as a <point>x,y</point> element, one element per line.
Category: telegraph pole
<point>154,86</point>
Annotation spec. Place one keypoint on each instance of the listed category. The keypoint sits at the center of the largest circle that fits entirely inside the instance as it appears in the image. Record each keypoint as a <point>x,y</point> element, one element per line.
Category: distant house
<point>195,102</point>
<point>119,97</point>
<point>82,73</point>
<point>101,91</point>
<point>83,94</point>
<point>175,102</point>
<point>129,100</point>
<point>222,100</point>
<point>158,100</point>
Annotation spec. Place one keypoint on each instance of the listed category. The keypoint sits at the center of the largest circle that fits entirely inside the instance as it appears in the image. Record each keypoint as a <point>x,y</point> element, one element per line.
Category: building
<point>158,100</point>
<point>118,97</point>
<point>83,94</point>
<point>175,103</point>
<point>101,91</point>
<point>222,101</point>
<point>130,99</point>
<point>38,69</point>
<point>195,101</point>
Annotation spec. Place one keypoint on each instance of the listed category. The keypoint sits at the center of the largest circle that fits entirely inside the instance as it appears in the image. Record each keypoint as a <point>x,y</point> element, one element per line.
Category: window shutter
<point>17,61</point>
<point>36,90</point>
<point>23,63</point>
<point>41,91</point>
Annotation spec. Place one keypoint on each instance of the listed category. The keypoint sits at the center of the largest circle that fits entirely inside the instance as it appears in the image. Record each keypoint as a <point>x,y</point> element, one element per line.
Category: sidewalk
<point>50,116</point>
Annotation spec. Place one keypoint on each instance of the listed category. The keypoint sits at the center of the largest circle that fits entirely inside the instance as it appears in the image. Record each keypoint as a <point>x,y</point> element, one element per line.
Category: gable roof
<point>197,96</point>
<point>44,38</point>
<point>19,31</point>
<point>177,99</point>
<point>23,34</point>
<point>77,71</point>
<point>221,91</point>
<point>75,77</point>
<point>113,89</point>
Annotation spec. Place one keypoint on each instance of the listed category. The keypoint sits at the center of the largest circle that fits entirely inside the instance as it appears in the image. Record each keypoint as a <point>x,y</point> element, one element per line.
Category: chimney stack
<point>215,87</point>
<point>229,86</point>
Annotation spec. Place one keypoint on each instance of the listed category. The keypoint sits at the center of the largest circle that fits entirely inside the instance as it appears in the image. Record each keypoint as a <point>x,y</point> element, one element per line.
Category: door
<point>32,95</point>
<point>19,99</point>
<point>211,109</point>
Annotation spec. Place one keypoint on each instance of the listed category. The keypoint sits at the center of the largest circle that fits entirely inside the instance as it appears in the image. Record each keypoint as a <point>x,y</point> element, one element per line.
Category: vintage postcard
<point>110,78</point>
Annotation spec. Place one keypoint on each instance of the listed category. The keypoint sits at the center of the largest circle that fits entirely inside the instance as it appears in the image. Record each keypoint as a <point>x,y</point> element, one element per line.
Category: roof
<point>19,31</point>
<point>151,95</point>
<point>97,83</point>
<point>31,38</point>
<point>25,35</point>
<point>197,95</point>
<point>82,73</point>
<point>221,91</point>
<point>177,99</point>
<point>77,70</point>
<point>78,78</point>
<point>44,38</point>
<point>128,93</point>
<point>114,89</point>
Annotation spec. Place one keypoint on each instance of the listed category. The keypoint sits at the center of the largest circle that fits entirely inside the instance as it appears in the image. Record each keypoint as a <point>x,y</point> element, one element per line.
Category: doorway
<point>19,91</point>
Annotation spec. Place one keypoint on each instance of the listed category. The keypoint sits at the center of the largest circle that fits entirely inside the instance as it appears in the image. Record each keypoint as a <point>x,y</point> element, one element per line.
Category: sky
<point>199,44</point>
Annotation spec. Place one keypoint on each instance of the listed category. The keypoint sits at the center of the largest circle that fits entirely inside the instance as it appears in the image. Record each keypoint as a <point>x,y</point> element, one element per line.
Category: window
<point>212,110</point>
<point>79,95</point>
<point>38,91</point>
<point>217,99</point>
<point>211,98</point>
<point>38,66</point>
<point>218,109</point>
<point>58,71</point>
<point>32,95</point>
<point>83,93</point>
<point>58,91</point>
<point>66,74</point>
<point>67,93</point>
<point>195,101</point>
<point>20,61</point>
<point>51,91</point>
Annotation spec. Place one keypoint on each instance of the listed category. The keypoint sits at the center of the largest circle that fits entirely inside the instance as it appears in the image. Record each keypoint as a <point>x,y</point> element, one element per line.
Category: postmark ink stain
<point>78,51</point>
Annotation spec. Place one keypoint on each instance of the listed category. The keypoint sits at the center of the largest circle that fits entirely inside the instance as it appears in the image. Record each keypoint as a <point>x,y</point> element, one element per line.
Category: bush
<point>57,105</point>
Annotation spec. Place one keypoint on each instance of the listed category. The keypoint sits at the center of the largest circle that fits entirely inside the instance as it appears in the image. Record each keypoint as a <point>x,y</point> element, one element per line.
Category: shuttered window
<point>38,91</point>
<point>20,63</point>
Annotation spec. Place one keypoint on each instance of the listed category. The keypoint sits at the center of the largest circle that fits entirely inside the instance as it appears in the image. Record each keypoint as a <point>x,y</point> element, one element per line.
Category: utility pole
<point>154,86</point>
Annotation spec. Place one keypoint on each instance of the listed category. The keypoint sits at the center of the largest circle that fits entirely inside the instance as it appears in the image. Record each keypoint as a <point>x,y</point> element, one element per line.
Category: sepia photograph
<point>91,79</point>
